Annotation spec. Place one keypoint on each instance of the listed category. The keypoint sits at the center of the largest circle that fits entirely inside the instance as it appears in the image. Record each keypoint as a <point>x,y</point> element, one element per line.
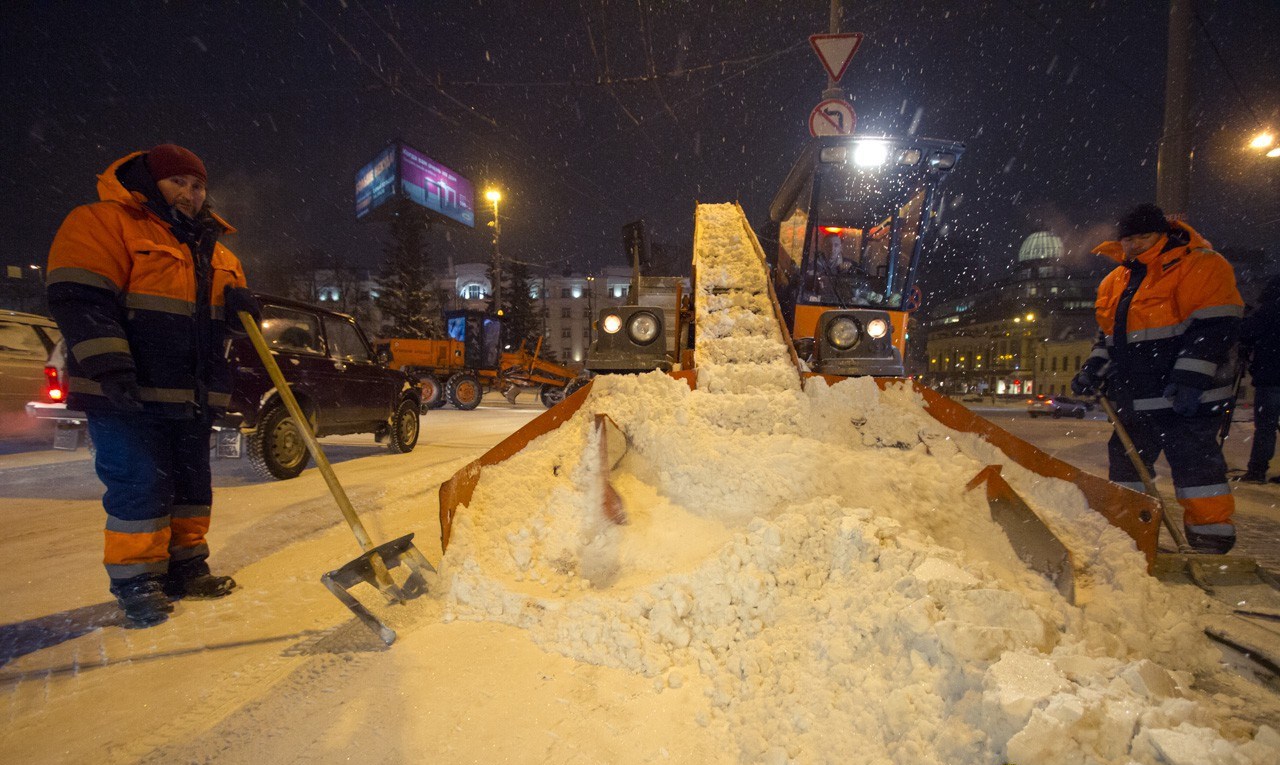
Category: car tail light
<point>52,385</point>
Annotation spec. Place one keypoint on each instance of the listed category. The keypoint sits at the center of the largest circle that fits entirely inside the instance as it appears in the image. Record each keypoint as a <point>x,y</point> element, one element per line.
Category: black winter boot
<point>192,579</point>
<point>1210,543</point>
<point>143,600</point>
<point>1252,476</point>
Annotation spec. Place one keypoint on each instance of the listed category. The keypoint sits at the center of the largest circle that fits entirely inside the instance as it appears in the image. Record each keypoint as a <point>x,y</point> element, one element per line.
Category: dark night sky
<point>1060,103</point>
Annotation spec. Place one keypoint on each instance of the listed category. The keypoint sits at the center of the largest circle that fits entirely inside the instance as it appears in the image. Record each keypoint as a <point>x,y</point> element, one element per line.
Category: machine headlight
<point>909,157</point>
<point>842,333</point>
<point>942,161</point>
<point>870,153</point>
<point>643,328</point>
<point>833,154</point>
<point>612,323</point>
<point>877,328</point>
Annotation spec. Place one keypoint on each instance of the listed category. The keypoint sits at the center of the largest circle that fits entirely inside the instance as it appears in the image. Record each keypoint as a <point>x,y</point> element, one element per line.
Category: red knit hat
<point>168,160</point>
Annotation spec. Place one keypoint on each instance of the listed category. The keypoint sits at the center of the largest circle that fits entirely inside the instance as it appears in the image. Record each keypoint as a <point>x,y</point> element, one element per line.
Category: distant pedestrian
<point>1168,317</point>
<point>145,296</point>
<point>1260,337</point>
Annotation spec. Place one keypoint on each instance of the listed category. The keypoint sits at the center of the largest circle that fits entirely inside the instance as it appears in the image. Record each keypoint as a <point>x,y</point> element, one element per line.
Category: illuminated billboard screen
<point>436,187</point>
<point>399,172</point>
<point>376,182</point>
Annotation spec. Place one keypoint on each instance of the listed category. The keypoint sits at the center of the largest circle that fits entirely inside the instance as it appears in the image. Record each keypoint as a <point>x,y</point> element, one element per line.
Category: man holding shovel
<point>145,296</point>
<point>1168,316</point>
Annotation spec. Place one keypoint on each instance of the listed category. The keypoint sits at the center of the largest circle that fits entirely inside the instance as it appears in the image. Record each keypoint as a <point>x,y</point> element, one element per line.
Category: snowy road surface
<point>280,672</point>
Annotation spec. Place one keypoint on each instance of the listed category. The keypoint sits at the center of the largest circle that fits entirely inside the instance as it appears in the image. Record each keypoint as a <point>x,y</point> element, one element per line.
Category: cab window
<point>345,341</point>
<point>290,330</point>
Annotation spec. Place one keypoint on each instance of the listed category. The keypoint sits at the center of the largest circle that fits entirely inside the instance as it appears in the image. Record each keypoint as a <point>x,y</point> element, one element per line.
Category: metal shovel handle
<point>304,428</point>
<point>1148,481</point>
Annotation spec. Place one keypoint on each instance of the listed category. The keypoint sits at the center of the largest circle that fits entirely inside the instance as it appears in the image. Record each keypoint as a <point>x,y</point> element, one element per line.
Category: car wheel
<point>432,392</point>
<point>463,391</point>
<point>1079,414</point>
<point>1057,413</point>
<point>1032,415</point>
<point>276,449</point>
<point>404,427</point>
<point>550,395</point>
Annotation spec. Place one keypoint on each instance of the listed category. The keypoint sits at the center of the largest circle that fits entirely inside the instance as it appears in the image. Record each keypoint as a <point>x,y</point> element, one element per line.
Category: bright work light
<point>870,153</point>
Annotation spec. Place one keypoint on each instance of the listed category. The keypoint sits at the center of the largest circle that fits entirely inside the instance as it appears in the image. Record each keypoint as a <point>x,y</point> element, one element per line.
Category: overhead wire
<point>1230,75</point>
<point>596,193</point>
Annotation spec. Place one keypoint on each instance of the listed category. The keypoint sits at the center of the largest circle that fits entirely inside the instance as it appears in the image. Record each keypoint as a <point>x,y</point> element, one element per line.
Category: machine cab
<point>854,216</point>
<point>480,334</point>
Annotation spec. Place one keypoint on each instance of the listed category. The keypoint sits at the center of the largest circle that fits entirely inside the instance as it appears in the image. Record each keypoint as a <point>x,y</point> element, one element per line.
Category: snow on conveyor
<point>809,560</point>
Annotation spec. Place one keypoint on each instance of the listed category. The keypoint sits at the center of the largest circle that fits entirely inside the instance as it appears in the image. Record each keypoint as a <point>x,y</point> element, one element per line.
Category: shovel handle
<point>304,429</point>
<point>1179,538</point>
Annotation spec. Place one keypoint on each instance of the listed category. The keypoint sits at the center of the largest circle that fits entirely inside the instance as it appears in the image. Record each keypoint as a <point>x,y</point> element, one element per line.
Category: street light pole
<point>494,196</point>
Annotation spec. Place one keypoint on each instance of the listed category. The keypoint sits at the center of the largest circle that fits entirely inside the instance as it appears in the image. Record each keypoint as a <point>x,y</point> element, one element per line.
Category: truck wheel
<point>574,385</point>
<point>404,428</point>
<point>432,392</point>
<point>463,391</point>
<point>276,449</point>
<point>550,395</point>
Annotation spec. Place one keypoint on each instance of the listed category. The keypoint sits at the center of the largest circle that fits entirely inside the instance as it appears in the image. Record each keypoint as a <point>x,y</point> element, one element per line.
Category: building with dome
<point>1017,334</point>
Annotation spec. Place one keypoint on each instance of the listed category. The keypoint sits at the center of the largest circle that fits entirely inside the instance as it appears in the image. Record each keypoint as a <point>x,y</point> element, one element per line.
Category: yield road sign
<point>833,116</point>
<point>836,51</point>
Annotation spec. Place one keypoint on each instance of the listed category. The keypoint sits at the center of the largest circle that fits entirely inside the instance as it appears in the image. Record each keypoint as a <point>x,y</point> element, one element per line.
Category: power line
<point>1234,83</point>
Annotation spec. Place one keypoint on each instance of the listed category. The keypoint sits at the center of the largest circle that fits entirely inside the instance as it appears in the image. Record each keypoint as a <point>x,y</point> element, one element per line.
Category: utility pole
<point>1173,165</point>
<point>493,195</point>
<point>837,14</point>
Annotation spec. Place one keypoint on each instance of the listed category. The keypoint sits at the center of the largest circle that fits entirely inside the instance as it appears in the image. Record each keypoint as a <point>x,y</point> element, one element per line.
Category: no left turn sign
<point>833,116</point>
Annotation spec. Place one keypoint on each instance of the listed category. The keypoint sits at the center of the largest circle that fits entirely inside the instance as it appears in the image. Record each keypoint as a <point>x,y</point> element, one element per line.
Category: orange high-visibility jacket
<point>129,296</point>
<point>1170,315</point>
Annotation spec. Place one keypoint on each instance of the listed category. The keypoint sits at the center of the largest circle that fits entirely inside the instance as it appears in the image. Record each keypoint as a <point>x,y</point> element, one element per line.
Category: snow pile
<point>810,560</point>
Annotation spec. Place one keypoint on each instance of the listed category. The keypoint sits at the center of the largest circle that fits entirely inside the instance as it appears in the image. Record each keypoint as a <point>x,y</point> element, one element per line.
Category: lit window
<point>473,291</point>
<point>576,292</point>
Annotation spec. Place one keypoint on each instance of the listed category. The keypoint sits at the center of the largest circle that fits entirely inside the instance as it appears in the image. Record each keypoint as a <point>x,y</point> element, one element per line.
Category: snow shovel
<point>372,566</point>
<point>1196,565</point>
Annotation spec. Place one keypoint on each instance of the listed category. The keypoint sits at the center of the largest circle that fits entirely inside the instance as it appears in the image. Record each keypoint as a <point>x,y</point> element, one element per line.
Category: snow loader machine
<point>855,217</point>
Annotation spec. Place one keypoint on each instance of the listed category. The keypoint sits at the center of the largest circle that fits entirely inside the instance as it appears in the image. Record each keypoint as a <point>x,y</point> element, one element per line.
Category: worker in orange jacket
<point>1168,318</point>
<point>145,296</point>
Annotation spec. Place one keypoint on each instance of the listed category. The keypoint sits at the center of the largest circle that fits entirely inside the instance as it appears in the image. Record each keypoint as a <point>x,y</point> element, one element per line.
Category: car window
<point>345,341</point>
<point>288,329</point>
<point>22,340</point>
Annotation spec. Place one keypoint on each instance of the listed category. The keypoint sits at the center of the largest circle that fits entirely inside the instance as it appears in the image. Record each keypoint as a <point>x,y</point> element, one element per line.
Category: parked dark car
<point>25,342</point>
<point>1057,406</point>
<point>333,372</point>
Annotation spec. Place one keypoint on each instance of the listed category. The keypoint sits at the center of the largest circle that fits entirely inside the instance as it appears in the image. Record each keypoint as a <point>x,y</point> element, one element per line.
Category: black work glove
<point>121,389</point>
<point>1184,398</point>
<point>1086,382</point>
<point>239,299</point>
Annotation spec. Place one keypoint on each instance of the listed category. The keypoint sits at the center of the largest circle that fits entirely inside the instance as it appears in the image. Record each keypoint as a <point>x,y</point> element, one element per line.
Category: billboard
<point>409,175</point>
<point>376,182</point>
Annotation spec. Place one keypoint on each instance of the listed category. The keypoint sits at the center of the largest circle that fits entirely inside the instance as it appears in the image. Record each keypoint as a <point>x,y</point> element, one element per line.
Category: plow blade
<point>456,492</point>
<point>1035,543</point>
<point>1135,513</point>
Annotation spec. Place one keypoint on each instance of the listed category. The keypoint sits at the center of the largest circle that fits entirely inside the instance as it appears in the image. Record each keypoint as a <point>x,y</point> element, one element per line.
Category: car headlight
<point>643,328</point>
<point>942,161</point>
<point>612,323</point>
<point>877,328</point>
<point>843,333</point>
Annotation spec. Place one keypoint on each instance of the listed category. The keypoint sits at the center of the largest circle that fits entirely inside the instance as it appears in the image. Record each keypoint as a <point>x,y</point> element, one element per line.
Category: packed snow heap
<point>809,557</point>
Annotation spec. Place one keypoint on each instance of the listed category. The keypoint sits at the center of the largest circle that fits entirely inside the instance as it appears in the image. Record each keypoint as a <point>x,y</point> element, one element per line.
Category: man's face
<point>1137,244</point>
<point>185,192</point>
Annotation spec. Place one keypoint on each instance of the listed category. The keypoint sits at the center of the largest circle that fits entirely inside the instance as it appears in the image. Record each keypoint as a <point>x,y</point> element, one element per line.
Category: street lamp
<point>494,196</point>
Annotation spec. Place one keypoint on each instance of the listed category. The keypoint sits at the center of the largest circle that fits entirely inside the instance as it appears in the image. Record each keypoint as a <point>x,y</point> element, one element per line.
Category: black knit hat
<point>1146,218</point>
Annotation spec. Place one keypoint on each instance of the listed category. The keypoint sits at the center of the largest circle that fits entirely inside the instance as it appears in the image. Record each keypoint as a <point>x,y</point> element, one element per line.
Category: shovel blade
<point>1034,542</point>
<point>371,568</point>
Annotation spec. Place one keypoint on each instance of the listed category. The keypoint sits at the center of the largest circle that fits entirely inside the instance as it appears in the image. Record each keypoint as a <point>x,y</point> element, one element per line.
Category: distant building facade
<point>569,301</point>
<point>1003,338</point>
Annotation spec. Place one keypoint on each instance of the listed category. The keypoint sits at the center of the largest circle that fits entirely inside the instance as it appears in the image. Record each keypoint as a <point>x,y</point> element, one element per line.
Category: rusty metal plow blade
<point>1034,542</point>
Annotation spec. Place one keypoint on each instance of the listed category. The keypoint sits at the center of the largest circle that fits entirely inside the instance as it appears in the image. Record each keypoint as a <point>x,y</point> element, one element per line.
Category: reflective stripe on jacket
<point>123,289</point>
<point>1176,323</point>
